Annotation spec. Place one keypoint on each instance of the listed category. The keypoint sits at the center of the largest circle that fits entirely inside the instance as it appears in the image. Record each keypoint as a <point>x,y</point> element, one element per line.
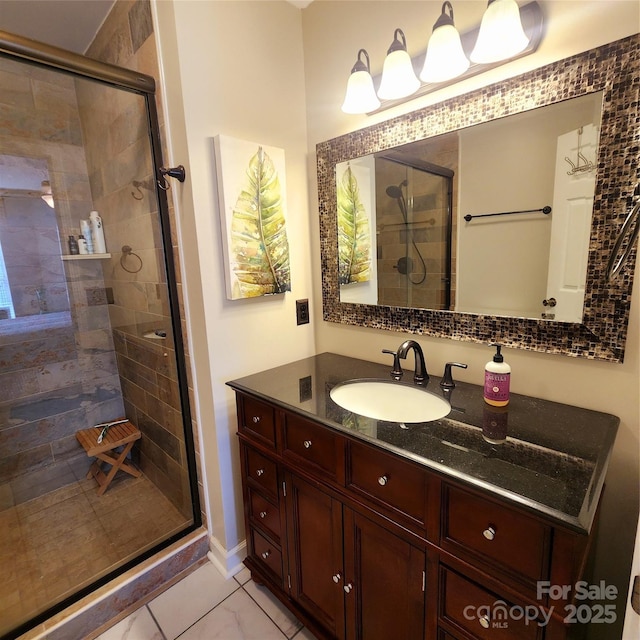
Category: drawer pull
<point>382,480</point>
<point>485,623</point>
<point>336,577</point>
<point>265,554</point>
<point>489,533</point>
<point>259,472</point>
<point>347,588</point>
<point>263,514</point>
<point>256,419</point>
<point>307,444</point>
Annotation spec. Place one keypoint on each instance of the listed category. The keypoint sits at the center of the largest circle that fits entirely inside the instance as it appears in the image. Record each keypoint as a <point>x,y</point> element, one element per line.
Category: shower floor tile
<point>55,544</point>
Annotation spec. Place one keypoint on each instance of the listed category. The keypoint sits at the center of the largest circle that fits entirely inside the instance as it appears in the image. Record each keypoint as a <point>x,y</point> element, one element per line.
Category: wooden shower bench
<point>119,435</point>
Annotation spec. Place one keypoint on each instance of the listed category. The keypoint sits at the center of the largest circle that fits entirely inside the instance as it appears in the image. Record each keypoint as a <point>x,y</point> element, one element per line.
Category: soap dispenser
<point>497,375</point>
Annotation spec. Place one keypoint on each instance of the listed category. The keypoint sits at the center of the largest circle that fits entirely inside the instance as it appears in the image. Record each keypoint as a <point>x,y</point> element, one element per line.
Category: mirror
<point>595,327</point>
<point>33,283</point>
<point>449,211</point>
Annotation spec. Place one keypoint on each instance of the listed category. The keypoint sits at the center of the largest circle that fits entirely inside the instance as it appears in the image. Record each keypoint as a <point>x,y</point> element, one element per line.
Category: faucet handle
<point>447,379</point>
<point>396,372</point>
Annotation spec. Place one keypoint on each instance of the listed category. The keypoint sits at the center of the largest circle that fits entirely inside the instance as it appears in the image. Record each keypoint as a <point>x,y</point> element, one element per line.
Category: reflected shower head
<point>395,191</point>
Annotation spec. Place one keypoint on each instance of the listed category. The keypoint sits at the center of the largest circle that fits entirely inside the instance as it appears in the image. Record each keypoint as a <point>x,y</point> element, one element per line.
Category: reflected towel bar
<point>546,210</point>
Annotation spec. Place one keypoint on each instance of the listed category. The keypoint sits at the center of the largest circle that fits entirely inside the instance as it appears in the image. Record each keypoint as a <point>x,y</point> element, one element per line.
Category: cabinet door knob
<point>259,472</point>
<point>484,621</point>
<point>263,514</point>
<point>336,577</point>
<point>382,480</point>
<point>489,533</point>
<point>307,444</point>
<point>347,588</point>
<point>256,419</point>
<point>265,554</point>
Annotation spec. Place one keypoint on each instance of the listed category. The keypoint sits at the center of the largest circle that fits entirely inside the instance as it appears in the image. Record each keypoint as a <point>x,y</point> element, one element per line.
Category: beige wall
<point>233,68</point>
<point>237,68</point>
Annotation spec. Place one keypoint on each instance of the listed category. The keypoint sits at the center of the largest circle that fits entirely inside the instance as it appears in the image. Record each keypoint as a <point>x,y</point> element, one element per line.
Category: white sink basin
<point>389,400</point>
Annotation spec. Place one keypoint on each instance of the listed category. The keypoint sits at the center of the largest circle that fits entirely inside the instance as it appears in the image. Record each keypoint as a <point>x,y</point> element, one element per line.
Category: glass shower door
<point>85,339</point>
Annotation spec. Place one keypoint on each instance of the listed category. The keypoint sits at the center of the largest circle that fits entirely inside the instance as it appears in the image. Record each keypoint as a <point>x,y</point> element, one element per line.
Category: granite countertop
<point>552,460</point>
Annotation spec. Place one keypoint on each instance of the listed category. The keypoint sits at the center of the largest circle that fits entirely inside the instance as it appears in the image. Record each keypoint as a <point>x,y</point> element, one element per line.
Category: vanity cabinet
<point>359,579</point>
<point>362,543</point>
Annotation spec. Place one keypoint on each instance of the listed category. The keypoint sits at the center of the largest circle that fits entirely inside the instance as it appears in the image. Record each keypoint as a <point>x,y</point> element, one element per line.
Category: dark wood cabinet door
<point>314,525</point>
<point>385,580</point>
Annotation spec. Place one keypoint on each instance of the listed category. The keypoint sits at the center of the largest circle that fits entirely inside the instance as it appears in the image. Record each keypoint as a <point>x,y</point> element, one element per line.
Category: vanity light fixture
<point>360,96</point>
<point>47,194</point>
<point>399,80</point>
<point>445,57</point>
<point>501,34</point>
<point>507,31</point>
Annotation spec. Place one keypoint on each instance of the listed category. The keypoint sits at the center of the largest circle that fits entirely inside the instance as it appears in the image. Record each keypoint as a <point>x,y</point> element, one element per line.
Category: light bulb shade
<point>445,57</point>
<point>501,34</point>
<point>398,80</point>
<point>360,96</point>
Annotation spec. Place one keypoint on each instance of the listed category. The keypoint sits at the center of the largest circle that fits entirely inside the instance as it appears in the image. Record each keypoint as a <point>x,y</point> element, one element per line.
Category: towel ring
<point>128,251</point>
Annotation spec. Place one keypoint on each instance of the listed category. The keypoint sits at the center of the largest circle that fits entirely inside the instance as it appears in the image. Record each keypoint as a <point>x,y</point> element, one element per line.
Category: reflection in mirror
<point>433,207</point>
<point>32,277</point>
<point>493,296</point>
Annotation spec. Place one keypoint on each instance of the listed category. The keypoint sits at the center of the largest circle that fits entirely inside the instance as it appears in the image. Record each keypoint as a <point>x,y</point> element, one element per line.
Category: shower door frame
<point>30,51</point>
<point>446,174</point>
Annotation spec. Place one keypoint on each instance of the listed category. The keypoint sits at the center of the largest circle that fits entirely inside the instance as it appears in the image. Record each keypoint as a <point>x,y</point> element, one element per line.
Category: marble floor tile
<point>236,618</point>
<point>193,597</point>
<point>138,626</point>
<point>285,620</point>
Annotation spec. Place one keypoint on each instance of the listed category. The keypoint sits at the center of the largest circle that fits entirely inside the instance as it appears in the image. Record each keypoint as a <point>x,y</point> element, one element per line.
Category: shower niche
<point>84,339</point>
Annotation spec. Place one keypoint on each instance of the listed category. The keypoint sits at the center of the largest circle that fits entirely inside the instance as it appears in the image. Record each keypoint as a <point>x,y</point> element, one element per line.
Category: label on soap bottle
<point>496,388</point>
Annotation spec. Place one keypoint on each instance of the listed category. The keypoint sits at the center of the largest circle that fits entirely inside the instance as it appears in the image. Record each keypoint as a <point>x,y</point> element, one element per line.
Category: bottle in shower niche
<point>97,232</point>
<point>82,246</point>
<point>85,230</point>
<point>74,250</point>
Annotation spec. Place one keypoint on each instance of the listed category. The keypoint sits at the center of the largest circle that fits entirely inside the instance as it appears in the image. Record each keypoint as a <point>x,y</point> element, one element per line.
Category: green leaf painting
<point>354,239</point>
<point>259,248</point>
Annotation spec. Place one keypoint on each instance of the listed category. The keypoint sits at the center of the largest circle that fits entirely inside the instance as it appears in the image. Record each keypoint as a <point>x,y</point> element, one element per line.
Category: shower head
<point>395,191</point>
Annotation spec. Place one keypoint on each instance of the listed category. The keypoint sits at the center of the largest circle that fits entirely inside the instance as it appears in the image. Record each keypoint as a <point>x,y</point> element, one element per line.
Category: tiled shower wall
<point>122,184</point>
<point>58,369</point>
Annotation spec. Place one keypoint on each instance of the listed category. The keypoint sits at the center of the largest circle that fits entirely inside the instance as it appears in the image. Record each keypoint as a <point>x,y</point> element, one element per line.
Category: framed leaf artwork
<point>252,195</point>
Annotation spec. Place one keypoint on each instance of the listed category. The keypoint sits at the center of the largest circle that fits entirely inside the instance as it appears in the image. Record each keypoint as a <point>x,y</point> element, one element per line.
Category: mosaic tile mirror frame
<point>612,69</point>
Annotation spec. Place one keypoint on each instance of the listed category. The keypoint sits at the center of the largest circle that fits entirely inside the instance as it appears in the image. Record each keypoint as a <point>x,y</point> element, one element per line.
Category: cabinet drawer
<point>498,534</point>
<point>266,554</point>
<point>259,420</point>
<point>261,472</point>
<point>482,613</point>
<point>267,514</point>
<point>388,479</point>
<point>313,445</point>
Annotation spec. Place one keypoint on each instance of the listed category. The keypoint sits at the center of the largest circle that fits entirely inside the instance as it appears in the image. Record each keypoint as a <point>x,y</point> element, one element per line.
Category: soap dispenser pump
<point>497,377</point>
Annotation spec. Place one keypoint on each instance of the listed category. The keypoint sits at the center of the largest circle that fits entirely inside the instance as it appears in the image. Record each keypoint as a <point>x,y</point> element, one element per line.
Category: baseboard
<point>227,562</point>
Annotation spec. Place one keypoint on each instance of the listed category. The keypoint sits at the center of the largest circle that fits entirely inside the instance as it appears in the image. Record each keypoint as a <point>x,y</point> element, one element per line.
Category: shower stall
<point>414,229</point>
<point>85,338</point>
